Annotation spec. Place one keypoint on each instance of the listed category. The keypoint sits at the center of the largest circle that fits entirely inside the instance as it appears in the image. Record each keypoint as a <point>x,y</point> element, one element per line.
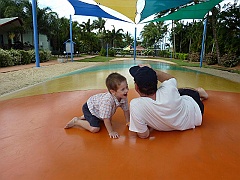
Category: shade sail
<point>86,9</point>
<point>135,10</point>
<point>144,8</point>
<point>197,11</point>
<point>156,6</point>
<point>125,7</point>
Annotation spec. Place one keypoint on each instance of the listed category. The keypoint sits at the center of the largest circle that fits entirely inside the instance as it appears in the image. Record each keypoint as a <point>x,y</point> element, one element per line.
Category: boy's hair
<point>114,80</point>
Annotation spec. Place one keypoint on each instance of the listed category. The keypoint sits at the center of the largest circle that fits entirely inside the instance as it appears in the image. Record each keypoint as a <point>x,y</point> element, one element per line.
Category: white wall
<point>43,41</point>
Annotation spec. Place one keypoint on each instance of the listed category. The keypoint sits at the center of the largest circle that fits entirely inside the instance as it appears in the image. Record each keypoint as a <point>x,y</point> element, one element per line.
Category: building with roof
<point>10,38</point>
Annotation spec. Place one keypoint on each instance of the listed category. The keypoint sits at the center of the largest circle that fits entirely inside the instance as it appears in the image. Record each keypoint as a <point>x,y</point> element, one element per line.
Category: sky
<point>64,9</point>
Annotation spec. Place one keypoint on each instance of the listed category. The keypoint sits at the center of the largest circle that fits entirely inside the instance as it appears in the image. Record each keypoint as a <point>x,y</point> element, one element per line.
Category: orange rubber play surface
<point>34,145</point>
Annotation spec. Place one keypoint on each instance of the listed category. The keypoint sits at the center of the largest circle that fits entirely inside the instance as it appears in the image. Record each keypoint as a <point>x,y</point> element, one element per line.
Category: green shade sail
<point>197,11</point>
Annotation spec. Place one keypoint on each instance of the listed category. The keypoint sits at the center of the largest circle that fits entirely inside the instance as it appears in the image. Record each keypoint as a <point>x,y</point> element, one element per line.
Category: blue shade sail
<point>86,9</point>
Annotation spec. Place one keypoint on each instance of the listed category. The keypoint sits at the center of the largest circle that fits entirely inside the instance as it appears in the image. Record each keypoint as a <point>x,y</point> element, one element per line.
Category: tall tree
<point>114,36</point>
<point>152,33</point>
<point>128,39</point>
<point>99,24</point>
<point>88,37</point>
<point>228,31</point>
<point>215,11</point>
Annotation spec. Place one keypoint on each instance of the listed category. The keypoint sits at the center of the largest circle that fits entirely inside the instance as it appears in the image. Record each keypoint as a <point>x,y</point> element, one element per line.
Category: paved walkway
<point>26,66</point>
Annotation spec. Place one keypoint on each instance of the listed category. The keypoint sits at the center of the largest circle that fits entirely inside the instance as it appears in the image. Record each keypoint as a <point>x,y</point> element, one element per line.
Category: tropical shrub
<point>182,56</point>
<point>124,53</point>
<point>229,60</point>
<point>211,59</point>
<point>148,52</point>
<point>25,57</point>
<point>194,57</point>
<point>111,52</point>
<point>164,53</point>
<point>103,52</point>
<point>5,58</point>
<point>44,55</point>
<point>16,56</point>
<point>32,56</point>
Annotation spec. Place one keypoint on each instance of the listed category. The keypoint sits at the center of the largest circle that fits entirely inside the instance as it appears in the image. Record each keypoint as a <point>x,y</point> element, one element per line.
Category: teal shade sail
<point>197,11</point>
<point>156,6</point>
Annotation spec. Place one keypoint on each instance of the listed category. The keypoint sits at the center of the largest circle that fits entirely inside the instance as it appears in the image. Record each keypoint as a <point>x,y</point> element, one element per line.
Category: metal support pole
<point>35,31</point>
<point>71,41</point>
<point>203,42</point>
<point>135,44</point>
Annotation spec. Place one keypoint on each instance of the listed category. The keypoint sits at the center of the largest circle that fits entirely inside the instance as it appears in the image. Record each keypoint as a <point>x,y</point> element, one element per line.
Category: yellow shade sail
<point>125,7</point>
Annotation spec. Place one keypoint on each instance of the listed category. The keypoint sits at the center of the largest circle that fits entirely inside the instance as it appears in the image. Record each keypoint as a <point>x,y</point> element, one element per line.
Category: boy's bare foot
<point>71,123</point>
<point>82,117</point>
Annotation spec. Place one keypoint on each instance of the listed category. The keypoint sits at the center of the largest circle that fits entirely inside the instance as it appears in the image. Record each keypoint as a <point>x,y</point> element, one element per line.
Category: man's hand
<point>142,65</point>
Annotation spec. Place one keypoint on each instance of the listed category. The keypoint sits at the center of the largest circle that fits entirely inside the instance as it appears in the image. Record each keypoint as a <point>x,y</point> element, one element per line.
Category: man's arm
<point>162,76</point>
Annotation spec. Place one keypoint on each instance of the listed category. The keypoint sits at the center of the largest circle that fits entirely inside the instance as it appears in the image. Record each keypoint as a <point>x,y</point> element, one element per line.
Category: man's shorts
<point>194,94</point>
<point>93,120</point>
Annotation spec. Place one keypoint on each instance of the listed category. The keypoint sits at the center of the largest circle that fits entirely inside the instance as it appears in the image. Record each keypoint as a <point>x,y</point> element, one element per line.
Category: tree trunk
<point>190,43</point>
<point>214,27</point>
<point>174,41</point>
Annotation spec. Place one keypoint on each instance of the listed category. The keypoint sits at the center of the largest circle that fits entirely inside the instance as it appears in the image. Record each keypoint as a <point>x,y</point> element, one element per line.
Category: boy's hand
<point>113,134</point>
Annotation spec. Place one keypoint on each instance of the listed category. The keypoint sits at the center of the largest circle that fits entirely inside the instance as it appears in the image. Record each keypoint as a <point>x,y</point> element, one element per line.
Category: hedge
<point>19,57</point>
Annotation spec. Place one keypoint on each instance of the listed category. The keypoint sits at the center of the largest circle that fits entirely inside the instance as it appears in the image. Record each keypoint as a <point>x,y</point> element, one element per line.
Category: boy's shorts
<point>194,94</point>
<point>93,120</point>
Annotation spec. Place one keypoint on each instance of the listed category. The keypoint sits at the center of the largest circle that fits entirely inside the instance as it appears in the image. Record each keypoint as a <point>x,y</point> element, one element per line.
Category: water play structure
<point>34,144</point>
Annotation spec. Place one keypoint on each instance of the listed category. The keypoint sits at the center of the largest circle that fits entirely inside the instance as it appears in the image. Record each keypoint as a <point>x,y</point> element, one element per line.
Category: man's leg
<point>194,94</point>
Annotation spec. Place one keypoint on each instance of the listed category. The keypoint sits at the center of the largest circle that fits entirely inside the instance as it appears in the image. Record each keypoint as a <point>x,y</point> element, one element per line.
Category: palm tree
<point>63,32</point>
<point>128,39</point>
<point>152,33</point>
<point>215,11</point>
<point>89,38</point>
<point>114,37</point>
<point>100,25</point>
<point>86,26</point>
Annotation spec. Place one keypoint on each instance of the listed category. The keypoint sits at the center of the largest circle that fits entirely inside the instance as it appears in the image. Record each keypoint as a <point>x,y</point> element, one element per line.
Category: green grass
<point>184,63</point>
<point>97,59</point>
<point>197,64</point>
<point>177,61</point>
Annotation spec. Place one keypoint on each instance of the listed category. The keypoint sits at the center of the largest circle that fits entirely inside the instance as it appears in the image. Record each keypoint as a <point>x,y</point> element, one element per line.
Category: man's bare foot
<point>203,94</point>
<point>71,123</point>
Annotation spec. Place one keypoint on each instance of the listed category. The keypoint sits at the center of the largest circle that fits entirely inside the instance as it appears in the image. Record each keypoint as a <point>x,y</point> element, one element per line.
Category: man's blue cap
<point>143,76</point>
